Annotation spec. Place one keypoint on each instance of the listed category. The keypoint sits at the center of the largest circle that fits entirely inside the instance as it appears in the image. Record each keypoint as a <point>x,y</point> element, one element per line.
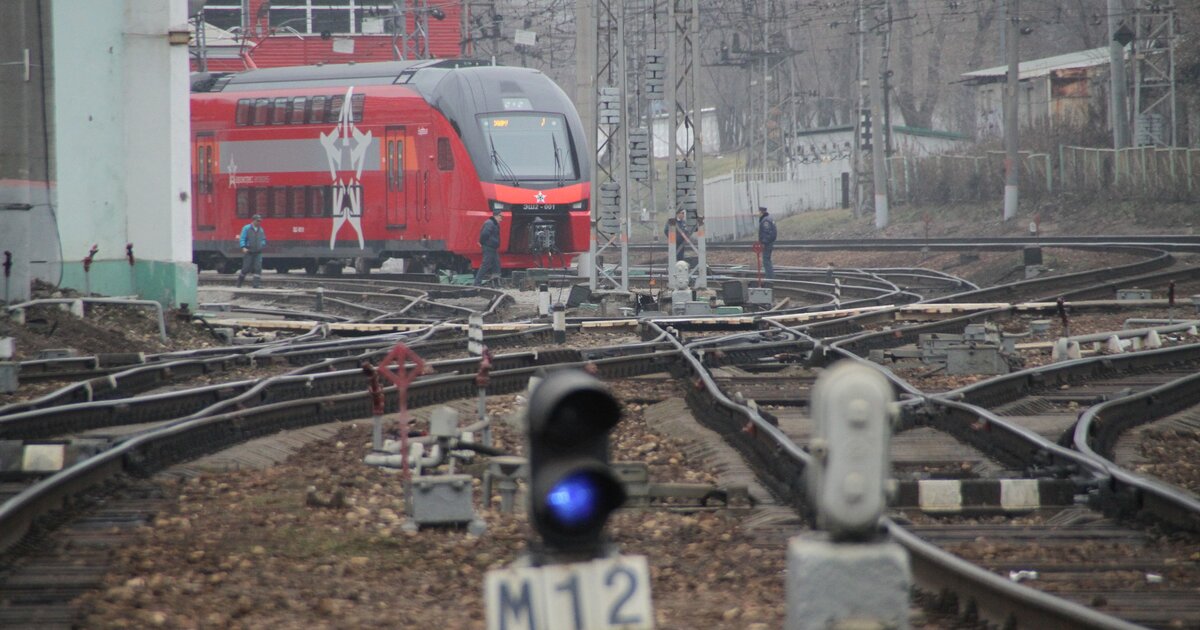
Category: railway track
<point>748,384</point>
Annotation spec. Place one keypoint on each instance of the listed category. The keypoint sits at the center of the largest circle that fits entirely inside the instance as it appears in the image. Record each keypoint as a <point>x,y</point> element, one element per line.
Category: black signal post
<point>573,489</point>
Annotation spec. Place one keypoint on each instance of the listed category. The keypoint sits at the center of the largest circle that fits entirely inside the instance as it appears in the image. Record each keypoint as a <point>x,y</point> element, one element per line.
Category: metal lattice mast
<point>686,149</point>
<point>414,44</point>
<point>648,72</point>
<point>1154,121</point>
<point>610,179</point>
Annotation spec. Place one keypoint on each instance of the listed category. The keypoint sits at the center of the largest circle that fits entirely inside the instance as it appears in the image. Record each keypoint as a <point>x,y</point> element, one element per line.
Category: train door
<point>204,189</point>
<point>396,160</point>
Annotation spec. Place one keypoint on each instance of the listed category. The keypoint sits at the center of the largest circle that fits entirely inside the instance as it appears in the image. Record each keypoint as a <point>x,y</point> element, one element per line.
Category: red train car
<point>359,163</point>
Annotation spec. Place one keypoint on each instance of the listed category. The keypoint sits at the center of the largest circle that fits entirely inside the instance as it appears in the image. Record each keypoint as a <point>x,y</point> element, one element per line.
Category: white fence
<point>731,202</point>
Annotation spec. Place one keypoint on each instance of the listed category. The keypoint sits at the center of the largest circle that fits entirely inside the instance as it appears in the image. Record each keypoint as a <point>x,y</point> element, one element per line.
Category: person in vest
<point>253,241</point>
<point>489,242</point>
<point>681,235</point>
<point>766,237</point>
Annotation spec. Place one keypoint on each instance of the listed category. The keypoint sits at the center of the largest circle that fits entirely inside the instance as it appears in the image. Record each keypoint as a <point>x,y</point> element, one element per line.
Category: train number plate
<point>608,594</point>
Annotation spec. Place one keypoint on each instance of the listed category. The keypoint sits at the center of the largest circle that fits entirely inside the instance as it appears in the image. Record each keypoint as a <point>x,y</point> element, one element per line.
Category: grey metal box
<point>975,359</point>
<point>441,499</point>
<point>443,422</point>
<point>760,295</point>
<point>697,308</point>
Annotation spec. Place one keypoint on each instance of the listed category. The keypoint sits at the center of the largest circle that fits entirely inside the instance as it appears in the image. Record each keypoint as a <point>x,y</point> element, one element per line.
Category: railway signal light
<point>572,487</point>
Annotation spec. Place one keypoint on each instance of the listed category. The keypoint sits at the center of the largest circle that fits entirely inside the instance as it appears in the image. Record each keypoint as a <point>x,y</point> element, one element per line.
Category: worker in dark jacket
<point>253,241</point>
<point>489,242</point>
<point>766,237</point>
<point>681,235</point>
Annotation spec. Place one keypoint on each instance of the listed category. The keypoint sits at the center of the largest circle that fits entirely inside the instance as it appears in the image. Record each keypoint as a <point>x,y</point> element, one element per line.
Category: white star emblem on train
<point>541,198</point>
<point>347,194</point>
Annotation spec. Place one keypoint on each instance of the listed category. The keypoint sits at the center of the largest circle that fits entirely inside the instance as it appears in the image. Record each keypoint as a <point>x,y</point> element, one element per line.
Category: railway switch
<point>573,488</point>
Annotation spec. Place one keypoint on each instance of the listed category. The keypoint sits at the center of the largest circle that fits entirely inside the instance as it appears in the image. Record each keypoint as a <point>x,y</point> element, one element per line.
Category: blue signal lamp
<point>573,489</point>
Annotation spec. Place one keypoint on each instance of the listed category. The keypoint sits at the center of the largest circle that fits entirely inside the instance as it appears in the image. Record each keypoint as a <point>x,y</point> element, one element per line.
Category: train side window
<point>262,111</point>
<point>279,115</point>
<point>296,113</point>
<point>206,176</point>
<point>356,106</point>
<point>279,201</point>
<point>199,168</point>
<point>335,108</point>
<point>244,203</point>
<point>262,200</point>
<point>396,165</point>
<point>445,157</point>
<point>316,200</point>
<point>243,112</point>
<point>297,201</point>
<point>317,113</point>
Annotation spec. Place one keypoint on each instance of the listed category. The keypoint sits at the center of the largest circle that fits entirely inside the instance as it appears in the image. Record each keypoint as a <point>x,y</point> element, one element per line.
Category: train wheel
<point>362,266</point>
<point>333,268</point>
<point>282,268</point>
<point>226,266</point>
<point>311,268</point>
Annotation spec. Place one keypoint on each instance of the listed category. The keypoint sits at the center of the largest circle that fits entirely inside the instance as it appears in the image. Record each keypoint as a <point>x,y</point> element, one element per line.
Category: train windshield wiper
<point>558,168</point>
<point>502,167</point>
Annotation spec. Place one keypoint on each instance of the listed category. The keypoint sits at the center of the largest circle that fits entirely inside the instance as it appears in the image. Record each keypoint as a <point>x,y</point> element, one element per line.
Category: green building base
<point>168,283</point>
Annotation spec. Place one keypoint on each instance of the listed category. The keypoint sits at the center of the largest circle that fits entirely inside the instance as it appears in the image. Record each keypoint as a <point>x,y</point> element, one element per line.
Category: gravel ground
<point>245,550</point>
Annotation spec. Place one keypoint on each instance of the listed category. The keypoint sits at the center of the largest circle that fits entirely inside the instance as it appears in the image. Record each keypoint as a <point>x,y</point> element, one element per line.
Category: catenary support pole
<point>1012,159</point>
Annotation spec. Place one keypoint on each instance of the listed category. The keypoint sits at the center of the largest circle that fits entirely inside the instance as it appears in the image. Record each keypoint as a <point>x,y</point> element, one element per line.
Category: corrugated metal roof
<point>1042,67</point>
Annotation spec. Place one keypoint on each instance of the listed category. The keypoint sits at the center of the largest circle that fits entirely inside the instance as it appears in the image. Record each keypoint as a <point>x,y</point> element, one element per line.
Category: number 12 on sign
<point>606,594</point>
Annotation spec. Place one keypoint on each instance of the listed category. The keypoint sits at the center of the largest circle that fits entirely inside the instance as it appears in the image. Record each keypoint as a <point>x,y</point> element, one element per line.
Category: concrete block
<point>829,584</point>
<point>8,347</point>
<point>1039,326</point>
<point>8,377</point>
<point>1133,294</point>
<point>56,353</point>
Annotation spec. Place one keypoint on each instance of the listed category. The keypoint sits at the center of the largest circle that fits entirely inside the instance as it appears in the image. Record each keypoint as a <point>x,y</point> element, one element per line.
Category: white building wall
<point>122,125</point>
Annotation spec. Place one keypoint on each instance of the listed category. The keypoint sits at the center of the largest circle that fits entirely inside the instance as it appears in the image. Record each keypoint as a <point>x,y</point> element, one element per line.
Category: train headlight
<point>498,205</point>
<point>579,205</point>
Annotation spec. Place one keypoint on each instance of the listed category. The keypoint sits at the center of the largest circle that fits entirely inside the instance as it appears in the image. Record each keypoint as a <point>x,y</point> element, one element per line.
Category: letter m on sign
<point>512,597</point>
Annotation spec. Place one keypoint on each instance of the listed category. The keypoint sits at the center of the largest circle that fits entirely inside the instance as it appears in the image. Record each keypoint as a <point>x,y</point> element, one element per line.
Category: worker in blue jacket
<point>252,241</point>
<point>766,237</point>
<point>489,242</point>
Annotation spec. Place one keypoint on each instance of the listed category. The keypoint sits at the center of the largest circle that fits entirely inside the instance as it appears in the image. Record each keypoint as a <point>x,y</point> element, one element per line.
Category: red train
<point>363,162</point>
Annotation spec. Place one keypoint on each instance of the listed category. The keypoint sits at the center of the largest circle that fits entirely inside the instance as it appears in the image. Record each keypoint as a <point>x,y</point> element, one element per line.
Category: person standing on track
<point>766,237</point>
<point>489,242</point>
<point>253,240</point>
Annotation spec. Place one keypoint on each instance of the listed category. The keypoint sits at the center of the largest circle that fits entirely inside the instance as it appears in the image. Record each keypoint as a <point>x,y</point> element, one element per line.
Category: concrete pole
<point>1117,89</point>
<point>1012,119</point>
<point>878,163</point>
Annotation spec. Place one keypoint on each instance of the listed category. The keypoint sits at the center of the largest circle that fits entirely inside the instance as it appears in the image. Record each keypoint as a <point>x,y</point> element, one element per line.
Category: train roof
<point>415,73</point>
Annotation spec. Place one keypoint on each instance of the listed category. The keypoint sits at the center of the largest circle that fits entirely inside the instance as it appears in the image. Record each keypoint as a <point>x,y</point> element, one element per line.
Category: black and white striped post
<point>560,323</point>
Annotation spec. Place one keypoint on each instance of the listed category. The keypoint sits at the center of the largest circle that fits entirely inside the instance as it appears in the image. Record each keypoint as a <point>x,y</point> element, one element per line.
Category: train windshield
<point>529,146</point>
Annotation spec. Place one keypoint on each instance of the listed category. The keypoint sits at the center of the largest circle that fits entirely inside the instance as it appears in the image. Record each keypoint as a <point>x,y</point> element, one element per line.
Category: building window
<point>224,14</point>
<point>342,17</point>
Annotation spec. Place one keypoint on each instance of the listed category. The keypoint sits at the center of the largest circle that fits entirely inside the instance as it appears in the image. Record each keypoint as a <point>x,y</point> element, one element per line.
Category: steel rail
<point>1099,428</point>
<point>178,442</point>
